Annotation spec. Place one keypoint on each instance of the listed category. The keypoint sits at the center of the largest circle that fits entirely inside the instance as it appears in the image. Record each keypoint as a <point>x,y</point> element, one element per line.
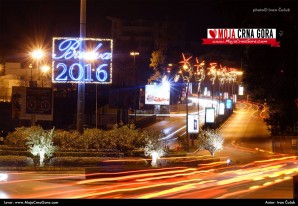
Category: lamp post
<point>81,85</point>
<point>44,70</point>
<point>30,66</point>
<point>134,54</point>
<point>90,57</point>
<point>199,77</point>
<point>37,55</point>
<point>221,73</point>
<point>212,72</point>
<point>96,119</point>
<point>186,72</point>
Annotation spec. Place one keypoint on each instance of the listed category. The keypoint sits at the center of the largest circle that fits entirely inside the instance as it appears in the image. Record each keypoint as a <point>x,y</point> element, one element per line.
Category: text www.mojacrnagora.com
<point>40,202</point>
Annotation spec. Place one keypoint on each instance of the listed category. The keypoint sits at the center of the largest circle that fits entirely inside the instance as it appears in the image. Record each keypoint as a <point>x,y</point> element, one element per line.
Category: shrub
<point>40,143</point>
<point>210,140</point>
<point>77,153</point>
<point>98,139</point>
<point>125,136</point>
<point>154,146</point>
<point>67,139</point>
<point>16,161</point>
<point>18,138</point>
<point>74,161</point>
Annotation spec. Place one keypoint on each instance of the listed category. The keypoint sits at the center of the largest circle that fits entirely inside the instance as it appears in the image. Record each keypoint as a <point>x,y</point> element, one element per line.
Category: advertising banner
<point>209,115</point>
<point>18,101</point>
<point>229,103</point>
<point>193,123</point>
<point>28,101</point>
<point>157,94</point>
<point>241,90</point>
<point>221,108</point>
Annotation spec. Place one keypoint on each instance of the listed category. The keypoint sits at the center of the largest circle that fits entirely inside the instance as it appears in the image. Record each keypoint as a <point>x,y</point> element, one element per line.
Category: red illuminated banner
<point>271,42</point>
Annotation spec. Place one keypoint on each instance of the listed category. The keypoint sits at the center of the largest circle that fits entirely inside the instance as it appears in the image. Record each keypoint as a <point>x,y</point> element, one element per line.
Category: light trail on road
<point>212,180</point>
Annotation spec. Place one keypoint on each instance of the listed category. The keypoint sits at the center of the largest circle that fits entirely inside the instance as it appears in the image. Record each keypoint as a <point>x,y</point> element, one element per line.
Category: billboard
<point>234,98</point>
<point>82,60</point>
<point>18,103</point>
<point>229,103</point>
<point>39,100</point>
<point>241,90</point>
<point>193,123</point>
<point>157,94</point>
<point>209,115</point>
<point>221,108</point>
<point>27,101</point>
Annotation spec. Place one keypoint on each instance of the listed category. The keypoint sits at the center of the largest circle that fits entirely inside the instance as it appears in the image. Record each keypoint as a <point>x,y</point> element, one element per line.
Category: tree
<point>157,61</point>
<point>154,146</point>
<point>158,56</point>
<point>210,140</point>
<point>40,144</point>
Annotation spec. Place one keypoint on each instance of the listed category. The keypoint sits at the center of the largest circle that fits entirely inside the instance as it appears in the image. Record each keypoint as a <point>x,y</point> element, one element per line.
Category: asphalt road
<point>255,172</point>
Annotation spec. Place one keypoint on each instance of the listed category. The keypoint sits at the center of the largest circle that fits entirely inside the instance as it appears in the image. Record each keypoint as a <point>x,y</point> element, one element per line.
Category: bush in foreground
<point>16,161</point>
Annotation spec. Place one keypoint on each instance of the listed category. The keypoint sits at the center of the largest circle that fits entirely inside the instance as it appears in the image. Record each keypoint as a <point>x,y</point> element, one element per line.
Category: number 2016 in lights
<point>100,74</point>
<point>78,60</point>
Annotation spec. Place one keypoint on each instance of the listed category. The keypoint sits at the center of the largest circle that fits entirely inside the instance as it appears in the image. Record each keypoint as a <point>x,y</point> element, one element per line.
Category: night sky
<point>24,24</point>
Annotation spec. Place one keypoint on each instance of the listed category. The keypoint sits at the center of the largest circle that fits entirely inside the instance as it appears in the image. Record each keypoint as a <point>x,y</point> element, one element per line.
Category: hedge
<point>16,161</point>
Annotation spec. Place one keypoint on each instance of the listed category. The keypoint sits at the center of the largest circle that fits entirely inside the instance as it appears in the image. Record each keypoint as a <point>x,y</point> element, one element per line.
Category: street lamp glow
<point>45,69</point>
<point>185,67</point>
<point>134,53</point>
<point>239,72</point>
<point>37,54</point>
<point>91,56</point>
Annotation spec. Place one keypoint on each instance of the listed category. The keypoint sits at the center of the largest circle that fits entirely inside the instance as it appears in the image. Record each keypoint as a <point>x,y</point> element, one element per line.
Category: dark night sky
<point>23,23</point>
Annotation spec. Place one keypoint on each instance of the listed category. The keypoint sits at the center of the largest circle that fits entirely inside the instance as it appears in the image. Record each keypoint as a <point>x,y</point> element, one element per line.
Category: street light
<point>186,73</point>
<point>134,54</point>
<point>199,77</point>
<point>212,72</point>
<point>91,57</point>
<point>30,66</point>
<point>44,70</point>
<point>37,55</point>
<point>221,73</point>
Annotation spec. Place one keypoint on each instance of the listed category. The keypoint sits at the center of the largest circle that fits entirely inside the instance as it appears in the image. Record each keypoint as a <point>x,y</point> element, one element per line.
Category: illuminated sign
<point>209,115</point>
<point>229,103</point>
<point>193,123</point>
<point>205,91</point>
<point>241,90</point>
<point>221,108</point>
<point>234,98</point>
<point>157,94</point>
<point>82,60</point>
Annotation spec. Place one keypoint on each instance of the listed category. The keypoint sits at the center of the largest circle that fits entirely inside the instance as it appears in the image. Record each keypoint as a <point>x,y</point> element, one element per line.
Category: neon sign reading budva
<point>85,60</point>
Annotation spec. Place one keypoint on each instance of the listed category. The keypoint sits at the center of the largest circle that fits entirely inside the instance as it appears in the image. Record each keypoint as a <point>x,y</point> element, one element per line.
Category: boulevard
<point>254,172</point>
